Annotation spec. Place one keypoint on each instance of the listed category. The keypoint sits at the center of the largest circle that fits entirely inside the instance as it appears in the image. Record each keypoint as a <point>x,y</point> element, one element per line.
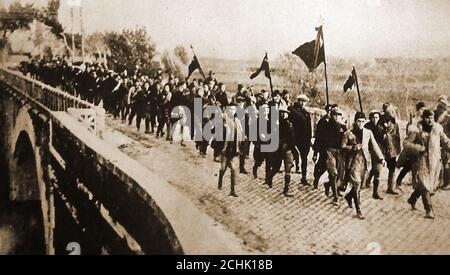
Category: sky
<point>245,29</point>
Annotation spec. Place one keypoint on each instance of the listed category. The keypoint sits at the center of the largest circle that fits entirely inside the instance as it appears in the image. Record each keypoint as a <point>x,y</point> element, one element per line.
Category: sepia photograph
<point>225,127</point>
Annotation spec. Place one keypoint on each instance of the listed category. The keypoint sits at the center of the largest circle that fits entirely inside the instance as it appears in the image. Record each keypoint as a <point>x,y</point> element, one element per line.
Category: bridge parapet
<point>53,99</point>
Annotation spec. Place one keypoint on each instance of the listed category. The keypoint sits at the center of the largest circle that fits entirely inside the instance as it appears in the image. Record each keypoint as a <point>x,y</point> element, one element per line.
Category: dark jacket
<point>335,132</point>
<point>321,134</point>
<point>301,121</point>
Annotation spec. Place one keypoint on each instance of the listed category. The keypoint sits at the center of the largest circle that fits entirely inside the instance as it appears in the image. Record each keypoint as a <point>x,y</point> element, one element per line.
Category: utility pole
<point>82,33</point>
<point>73,35</point>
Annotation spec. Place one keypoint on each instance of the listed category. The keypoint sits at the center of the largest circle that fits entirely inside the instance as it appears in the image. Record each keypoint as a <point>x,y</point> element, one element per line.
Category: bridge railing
<point>56,100</point>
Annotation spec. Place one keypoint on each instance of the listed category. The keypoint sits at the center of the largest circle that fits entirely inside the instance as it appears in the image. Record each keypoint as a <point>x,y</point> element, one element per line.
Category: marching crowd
<point>354,158</point>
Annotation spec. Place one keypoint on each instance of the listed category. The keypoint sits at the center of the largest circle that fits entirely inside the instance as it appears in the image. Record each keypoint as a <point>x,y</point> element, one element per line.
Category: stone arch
<point>27,173</point>
<point>24,184</point>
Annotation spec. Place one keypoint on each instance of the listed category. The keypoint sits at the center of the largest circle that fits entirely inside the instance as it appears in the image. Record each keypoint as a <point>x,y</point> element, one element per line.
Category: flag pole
<point>201,70</point>
<point>325,64</point>
<point>270,78</point>
<point>355,76</point>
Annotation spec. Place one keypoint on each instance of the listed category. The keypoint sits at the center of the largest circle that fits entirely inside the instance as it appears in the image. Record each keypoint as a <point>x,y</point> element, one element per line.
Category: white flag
<point>74,3</point>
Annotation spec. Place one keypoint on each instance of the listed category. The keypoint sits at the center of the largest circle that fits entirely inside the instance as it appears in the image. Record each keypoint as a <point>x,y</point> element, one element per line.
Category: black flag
<point>350,81</point>
<point>195,65</point>
<point>307,52</point>
<point>264,67</point>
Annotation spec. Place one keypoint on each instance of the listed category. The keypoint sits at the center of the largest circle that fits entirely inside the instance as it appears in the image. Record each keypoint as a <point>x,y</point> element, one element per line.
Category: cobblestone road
<point>308,223</point>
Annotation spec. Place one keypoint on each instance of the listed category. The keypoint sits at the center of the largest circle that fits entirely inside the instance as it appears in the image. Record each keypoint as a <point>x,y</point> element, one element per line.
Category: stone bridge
<point>79,189</point>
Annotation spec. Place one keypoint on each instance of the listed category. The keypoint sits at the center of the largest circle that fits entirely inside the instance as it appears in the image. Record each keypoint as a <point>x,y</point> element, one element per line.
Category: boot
<point>316,184</point>
<point>359,215</point>
<point>334,191</point>
<point>255,171</point>
<point>243,171</point>
<point>366,184</point>
<point>390,189</point>
<point>375,195</point>
<point>221,174</point>
<point>287,181</point>
<point>391,192</point>
<point>430,214</point>
<point>233,183</point>
<point>349,198</point>
<point>242,165</point>
<point>412,201</point>
<point>357,199</point>
<point>269,180</point>
<point>446,179</point>
<point>427,205</point>
<point>327,188</point>
<point>304,182</point>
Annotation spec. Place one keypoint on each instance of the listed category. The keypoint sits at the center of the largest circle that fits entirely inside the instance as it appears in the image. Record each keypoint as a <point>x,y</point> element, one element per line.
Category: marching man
<point>356,143</point>
<point>424,141</point>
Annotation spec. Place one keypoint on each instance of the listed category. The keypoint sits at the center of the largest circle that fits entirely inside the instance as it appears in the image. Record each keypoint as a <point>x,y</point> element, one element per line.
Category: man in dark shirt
<point>221,96</point>
<point>332,145</point>
<point>284,152</point>
<point>303,132</point>
<point>377,129</point>
<point>320,153</point>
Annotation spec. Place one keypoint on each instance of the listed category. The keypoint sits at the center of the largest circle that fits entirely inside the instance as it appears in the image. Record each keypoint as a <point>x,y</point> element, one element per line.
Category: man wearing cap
<point>377,129</point>
<point>320,154</point>
<point>284,152</point>
<point>303,132</point>
<point>262,98</point>
<point>357,142</point>
<point>443,102</point>
<point>277,101</point>
<point>424,141</point>
<point>332,144</point>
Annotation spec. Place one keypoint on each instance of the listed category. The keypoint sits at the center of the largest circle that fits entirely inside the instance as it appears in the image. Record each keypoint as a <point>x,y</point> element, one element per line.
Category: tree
<point>181,52</point>
<point>49,16</point>
<point>171,66</point>
<point>15,17</point>
<point>130,48</point>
